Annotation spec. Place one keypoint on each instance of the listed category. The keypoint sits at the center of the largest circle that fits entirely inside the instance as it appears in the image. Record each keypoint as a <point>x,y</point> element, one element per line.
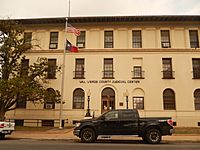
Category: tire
<point>2,136</point>
<point>153,136</point>
<point>88,135</point>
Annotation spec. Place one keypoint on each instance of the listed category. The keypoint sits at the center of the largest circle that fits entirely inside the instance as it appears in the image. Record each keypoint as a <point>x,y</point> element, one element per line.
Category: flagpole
<point>63,72</point>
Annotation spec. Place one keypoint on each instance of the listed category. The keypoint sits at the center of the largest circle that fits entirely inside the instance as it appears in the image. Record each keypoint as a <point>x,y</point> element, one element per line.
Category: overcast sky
<point>59,8</point>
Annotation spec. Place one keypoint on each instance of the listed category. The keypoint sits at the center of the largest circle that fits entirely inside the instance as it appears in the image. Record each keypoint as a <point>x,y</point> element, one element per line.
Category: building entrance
<point>107,99</point>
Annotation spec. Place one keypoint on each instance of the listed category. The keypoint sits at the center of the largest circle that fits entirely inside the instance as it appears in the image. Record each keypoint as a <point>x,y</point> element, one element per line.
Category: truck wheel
<point>2,136</point>
<point>88,135</point>
<point>153,136</point>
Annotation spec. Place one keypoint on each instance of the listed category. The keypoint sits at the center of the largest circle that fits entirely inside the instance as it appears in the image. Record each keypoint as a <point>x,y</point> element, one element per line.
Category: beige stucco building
<point>151,63</point>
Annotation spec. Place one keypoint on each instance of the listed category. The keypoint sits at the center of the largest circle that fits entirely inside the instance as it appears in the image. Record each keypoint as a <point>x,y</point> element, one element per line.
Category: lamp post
<point>88,108</point>
<point>126,94</point>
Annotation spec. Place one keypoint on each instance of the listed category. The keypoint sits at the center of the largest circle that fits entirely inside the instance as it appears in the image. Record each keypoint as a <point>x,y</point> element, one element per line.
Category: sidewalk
<point>67,134</point>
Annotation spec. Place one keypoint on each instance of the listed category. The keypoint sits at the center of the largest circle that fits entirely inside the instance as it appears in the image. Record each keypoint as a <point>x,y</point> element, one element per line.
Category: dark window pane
<point>165,39</point>
<point>49,123</point>
<point>196,68</point>
<point>112,115</point>
<point>167,68</point>
<point>108,39</point>
<point>19,122</point>
<point>79,69</point>
<point>137,39</point>
<point>24,67</point>
<point>137,72</point>
<point>108,68</point>
<point>197,99</point>
<point>51,74</point>
<point>81,40</point>
<point>27,37</point>
<point>169,99</point>
<point>194,40</point>
<point>78,99</point>
<point>53,40</point>
<point>49,99</point>
<point>129,115</point>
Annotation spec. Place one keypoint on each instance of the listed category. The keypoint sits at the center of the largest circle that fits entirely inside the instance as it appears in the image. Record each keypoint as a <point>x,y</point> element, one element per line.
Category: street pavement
<point>67,134</point>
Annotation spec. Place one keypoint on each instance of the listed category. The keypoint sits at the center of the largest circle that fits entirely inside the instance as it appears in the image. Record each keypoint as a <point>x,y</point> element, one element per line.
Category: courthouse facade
<point>151,63</point>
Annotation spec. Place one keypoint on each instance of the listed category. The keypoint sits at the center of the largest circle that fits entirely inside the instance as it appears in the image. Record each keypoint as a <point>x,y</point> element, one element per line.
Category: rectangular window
<point>49,105</point>
<point>49,123</point>
<point>53,40</point>
<point>51,74</point>
<point>81,40</point>
<point>27,37</point>
<point>137,39</point>
<point>196,68</point>
<point>138,102</point>
<point>137,72</point>
<point>129,115</point>
<point>194,40</point>
<point>79,69</point>
<point>108,72</point>
<point>19,122</point>
<point>167,68</point>
<point>78,102</point>
<point>108,39</point>
<point>24,67</point>
<point>165,39</point>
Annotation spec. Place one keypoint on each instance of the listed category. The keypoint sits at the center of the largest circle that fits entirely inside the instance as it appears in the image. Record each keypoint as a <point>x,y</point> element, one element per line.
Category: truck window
<point>128,115</point>
<point>113,115</point>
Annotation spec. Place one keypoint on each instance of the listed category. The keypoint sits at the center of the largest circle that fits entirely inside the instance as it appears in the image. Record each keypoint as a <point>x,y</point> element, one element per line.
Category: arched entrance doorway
<point>107,99</point>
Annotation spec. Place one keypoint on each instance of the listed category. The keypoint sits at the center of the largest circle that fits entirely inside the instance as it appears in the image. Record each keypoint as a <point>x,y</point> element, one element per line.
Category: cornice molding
<point>161,50</point>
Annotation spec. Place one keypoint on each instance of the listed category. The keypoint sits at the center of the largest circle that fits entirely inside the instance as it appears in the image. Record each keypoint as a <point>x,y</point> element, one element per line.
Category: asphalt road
<point>24,144</point>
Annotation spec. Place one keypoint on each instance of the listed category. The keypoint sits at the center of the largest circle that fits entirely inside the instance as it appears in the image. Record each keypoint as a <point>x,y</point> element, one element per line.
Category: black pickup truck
<point>124,122</point>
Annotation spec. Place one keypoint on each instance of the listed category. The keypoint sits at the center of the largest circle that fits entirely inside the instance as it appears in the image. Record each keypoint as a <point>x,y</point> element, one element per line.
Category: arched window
<point>49,99</point>
<point>169,99</point>
<point>197,99</point>
<point>78,99</point>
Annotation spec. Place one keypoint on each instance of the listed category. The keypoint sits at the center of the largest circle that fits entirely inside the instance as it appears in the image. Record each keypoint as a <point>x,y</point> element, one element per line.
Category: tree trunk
<point>2,115</point>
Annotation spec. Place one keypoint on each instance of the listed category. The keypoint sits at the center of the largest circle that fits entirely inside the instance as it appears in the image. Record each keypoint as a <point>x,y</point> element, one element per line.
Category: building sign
<point>109,81</point>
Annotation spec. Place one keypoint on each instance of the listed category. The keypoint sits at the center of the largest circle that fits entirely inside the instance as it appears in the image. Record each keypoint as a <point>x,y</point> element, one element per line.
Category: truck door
<point>110,124</point>
<point>128,122</point>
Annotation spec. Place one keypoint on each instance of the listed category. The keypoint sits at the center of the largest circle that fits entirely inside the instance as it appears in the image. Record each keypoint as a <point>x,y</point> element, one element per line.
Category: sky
<point>78,8</point>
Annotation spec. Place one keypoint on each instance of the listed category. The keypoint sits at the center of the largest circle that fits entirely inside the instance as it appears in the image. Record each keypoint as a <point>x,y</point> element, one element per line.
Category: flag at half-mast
<point>71,29</point>
<point>71,48</point>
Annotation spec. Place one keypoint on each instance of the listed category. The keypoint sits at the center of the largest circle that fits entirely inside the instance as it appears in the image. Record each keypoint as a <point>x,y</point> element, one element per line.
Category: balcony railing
<point>108,74</point>
<point>137,74</point>
<point>79,74</point>
<point>168,74</point>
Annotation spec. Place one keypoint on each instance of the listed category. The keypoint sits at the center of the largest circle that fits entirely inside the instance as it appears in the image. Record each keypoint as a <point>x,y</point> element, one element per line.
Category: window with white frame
<point>138,102</point>
<point>165,39</point>
<point>137,39</point>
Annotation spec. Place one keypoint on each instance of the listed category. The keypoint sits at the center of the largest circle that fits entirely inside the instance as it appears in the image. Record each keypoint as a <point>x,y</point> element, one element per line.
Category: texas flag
<point>70,47</point>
